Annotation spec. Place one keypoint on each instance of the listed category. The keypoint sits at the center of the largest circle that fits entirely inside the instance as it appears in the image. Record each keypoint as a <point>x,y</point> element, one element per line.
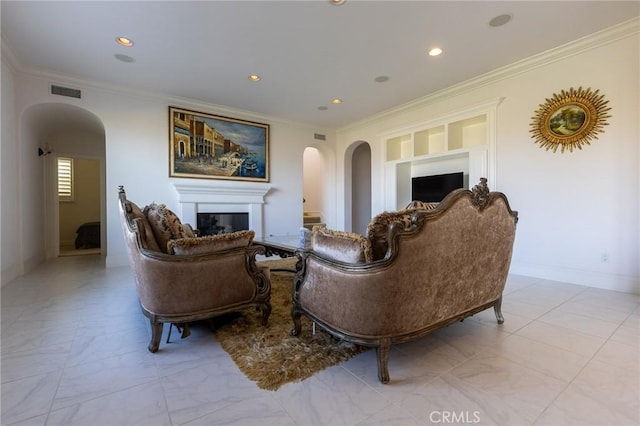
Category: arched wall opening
<point>61,130</point>
<point>314,166</point>
<point>357,187</point>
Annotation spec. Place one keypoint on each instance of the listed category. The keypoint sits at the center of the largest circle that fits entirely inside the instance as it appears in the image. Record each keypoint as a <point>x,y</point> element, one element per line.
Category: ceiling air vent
<point>65,91</point>
<point>319,137</point>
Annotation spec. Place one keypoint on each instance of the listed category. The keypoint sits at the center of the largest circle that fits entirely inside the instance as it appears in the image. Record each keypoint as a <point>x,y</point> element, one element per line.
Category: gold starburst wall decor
<point>570,119</point>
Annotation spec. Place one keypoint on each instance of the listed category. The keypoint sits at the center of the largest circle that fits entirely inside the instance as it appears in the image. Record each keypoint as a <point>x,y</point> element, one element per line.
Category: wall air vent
<point>319,137</point>
<point>65,91</point>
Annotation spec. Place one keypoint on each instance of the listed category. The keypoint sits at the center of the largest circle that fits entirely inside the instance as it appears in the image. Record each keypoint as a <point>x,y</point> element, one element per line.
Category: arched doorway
<point>68,131</point>
<point>314,197</point>
<point>360,188</point>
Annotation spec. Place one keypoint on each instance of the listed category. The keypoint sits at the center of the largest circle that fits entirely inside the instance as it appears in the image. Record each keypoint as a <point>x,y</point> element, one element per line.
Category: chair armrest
<point>357,299</point>
<point>176,284</point>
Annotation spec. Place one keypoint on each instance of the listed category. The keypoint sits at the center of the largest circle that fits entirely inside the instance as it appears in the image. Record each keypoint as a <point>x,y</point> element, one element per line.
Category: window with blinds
<point>65,179</point>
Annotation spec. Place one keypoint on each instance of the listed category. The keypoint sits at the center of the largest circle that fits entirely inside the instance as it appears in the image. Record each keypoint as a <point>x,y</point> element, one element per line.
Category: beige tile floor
<point>74,353</point>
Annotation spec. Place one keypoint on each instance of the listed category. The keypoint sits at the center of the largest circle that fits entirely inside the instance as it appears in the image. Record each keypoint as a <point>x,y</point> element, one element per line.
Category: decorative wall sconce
<point>42,152</point>
<point>570,119</point>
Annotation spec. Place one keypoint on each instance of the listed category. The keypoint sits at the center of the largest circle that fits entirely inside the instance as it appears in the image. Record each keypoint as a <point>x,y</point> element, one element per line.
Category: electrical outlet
<point>604,258</point>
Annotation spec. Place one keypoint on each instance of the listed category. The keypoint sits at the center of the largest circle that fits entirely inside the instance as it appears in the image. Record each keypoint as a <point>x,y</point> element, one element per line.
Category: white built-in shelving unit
<point>463,141</point>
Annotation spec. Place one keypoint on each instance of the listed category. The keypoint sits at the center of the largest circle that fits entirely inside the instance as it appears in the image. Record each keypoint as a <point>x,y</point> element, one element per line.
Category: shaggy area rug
<point>271,356</point>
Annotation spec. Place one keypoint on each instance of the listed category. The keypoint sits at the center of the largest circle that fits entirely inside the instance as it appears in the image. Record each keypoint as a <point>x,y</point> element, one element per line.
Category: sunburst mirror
<point>570,119</point>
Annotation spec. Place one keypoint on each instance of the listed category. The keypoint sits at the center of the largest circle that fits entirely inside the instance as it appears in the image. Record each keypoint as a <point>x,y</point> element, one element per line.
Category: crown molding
<point>610,35</point>
<point>8,57</point>
<point>119,90</point>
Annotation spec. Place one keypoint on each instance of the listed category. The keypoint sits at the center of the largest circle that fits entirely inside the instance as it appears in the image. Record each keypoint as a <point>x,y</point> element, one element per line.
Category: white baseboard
<point>9,274</point>
<point>32,262</point>
<point>626,284</point>
<point>67,244</point>
<point>16,270</point>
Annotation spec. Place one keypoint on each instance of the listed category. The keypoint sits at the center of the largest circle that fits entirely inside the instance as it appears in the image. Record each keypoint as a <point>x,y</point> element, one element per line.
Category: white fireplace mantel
<point>207,198</point>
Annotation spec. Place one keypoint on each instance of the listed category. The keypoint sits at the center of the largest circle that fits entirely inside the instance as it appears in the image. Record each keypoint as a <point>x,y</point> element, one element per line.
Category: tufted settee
<point>181,278</point>
<point>414,271</point>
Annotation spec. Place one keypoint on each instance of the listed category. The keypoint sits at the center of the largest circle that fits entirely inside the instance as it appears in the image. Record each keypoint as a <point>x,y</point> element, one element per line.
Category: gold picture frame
<point>208,146</point>
<point>570,119</point>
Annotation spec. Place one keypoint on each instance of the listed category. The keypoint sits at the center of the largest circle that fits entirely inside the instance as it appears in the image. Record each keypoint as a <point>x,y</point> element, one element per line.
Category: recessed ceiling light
<point>124,41</point>
<point>124,58</point>
<point>381,79</point>
<point>435,51</point>
<point>323,108</point>
<point>336,101</point>
<point>254,77</point>
<point>337,2</point>
<point>500,20</point>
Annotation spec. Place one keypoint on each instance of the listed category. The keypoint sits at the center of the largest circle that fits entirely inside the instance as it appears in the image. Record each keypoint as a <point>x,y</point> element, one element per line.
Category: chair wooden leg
<point>297,324</point>
<point>382,353</point>
<point>266,311</point>
<point>497,308</point>
<point>156,335</point>
<point>169,334</point>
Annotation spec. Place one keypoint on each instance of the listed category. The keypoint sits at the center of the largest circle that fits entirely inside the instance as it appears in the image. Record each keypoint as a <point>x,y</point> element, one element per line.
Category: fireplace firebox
<point>222,223</point>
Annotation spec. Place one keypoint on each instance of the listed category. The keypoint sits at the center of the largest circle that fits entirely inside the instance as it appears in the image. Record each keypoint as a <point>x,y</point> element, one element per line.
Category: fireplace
<point>222,223</point>
<point>196,198</point>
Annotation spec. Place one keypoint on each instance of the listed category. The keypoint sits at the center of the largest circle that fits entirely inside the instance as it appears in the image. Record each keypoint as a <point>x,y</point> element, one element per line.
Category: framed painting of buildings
<point>207,146</point>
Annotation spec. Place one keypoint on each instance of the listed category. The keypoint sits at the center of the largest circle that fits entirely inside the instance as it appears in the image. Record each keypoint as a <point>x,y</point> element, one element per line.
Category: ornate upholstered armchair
<point>181,278</point>
<point>415,271</point>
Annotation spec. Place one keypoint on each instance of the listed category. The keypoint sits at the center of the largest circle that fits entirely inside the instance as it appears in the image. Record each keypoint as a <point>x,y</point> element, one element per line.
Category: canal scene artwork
<point>209,146</point>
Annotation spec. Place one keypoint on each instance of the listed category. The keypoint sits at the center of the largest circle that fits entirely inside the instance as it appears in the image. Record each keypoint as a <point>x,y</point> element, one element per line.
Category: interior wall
<point>10,246</point>
<point>579,218</point>
<point>32,195</point>
<point>361,188</point>
<point>136,156</point>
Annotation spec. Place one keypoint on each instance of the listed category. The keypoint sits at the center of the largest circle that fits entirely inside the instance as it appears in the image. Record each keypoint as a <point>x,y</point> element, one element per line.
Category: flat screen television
<point>434,188</point>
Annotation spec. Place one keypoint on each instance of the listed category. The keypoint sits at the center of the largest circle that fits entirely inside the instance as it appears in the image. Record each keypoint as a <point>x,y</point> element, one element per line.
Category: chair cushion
<point>210,243</point>
<point>165,224</point>
<point>341,246</point>
<point>144,228</point>
<point>421,205</point>
<point>378,230</point>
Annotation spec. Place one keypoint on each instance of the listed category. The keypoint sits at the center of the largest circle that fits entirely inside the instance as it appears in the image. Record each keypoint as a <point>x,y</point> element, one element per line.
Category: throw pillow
<point>421,205</point>
<point>165,224</point>
<point>210,243</point>
<point>147,237</point>
<point>341,246</point>
<point>378,230</point>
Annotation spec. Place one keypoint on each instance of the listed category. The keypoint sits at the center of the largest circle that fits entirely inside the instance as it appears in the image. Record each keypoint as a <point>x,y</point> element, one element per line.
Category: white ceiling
<point>307,52</point>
